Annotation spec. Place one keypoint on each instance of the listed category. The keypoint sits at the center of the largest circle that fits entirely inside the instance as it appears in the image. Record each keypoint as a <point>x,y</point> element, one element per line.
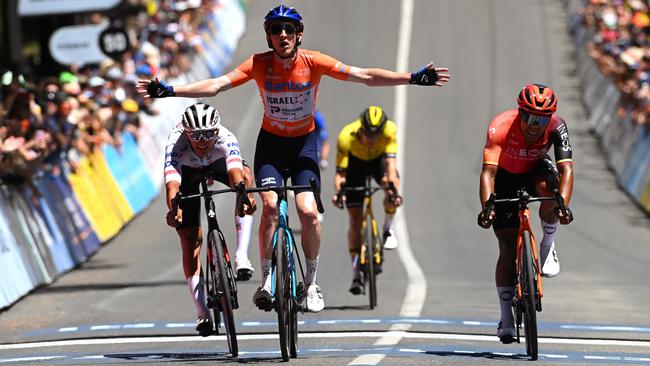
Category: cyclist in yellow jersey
<point>367,147</point>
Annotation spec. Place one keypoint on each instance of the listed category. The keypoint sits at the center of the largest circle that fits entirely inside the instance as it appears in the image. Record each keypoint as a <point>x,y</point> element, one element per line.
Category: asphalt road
<point>437,300</point>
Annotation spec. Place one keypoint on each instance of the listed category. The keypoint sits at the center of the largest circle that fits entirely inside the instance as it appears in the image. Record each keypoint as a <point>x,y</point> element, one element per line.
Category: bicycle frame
<point>283,223</point>
<point>524,226</point>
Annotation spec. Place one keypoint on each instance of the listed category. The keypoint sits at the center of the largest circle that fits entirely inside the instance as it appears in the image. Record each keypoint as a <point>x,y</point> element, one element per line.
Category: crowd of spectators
<point>48,123</point>
<point>620,47</point>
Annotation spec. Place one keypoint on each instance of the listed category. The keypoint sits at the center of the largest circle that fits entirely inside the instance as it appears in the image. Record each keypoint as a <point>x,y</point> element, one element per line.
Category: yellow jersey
<point>349,144</point>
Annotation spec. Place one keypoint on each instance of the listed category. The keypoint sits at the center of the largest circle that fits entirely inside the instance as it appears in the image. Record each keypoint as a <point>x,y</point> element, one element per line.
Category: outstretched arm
<point>202,88</point>
<point>428,75</point>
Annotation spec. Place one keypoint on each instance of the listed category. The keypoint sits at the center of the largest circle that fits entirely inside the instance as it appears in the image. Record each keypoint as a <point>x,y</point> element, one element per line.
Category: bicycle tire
<point>293,309</point>
<point>281,295</point>
<point>225,292</point>
<point>371,278</point>
<point>529,292</point>
<point>211,287</point>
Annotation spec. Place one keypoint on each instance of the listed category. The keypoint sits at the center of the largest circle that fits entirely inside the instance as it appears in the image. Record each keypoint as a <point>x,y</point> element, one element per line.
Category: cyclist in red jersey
<point>515,156</point>
<point>288,79</point>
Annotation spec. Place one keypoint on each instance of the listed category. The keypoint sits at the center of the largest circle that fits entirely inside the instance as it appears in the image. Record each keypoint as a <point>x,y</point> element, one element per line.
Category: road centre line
<point>416,288</point>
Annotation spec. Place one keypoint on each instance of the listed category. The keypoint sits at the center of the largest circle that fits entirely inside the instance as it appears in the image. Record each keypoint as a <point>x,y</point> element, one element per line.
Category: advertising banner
<point>78,44</point>
<point>81,225</point>
<point>45,7</point>
<point>126,166</point>
<point>15,277</point>
<point>50,231</point>
<point>94,200</point>
<point>106,182</point>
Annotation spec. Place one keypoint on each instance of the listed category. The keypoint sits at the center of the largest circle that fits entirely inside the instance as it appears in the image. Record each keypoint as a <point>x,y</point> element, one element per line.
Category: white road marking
<point>416,289</point>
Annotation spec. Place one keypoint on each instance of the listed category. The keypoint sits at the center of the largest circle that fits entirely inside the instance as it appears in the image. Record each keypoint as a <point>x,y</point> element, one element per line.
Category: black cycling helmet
<point>373,120</point>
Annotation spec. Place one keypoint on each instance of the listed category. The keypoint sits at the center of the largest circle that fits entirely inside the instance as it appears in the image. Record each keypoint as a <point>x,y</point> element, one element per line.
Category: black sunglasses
<point>533,119</point>
<point>276,29</point>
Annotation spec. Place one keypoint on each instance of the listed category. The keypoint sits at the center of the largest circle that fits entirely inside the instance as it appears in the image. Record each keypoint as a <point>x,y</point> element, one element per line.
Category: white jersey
<point>179,153</point>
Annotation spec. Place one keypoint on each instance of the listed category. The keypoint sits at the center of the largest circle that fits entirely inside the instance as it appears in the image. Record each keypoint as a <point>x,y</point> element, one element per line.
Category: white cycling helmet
<point>201,117</point>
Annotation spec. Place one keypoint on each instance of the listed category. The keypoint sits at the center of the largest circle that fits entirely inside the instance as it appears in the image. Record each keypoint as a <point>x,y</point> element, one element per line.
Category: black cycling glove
<point>158,89</point>
<point>424,76</point>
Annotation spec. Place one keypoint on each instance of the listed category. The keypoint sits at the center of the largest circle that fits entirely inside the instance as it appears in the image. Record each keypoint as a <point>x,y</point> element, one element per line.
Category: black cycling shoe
<point>244,274</point>
<point>357,287</point>
<point>506,335</point>
<point>204,327</point>
<point>262,299</point>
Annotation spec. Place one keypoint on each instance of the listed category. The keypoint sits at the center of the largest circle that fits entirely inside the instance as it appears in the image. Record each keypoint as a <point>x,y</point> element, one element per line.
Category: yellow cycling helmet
<point>373,120</point>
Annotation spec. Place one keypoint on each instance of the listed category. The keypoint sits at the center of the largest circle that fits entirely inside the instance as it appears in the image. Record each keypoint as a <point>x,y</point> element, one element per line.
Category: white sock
<point>197,289</point>
<point>312,270</point>
<point>244,225</point>
<point>388,221</point>
<point>547,240</point>
<point>356,272</point>
<point>266,270</point>
<point>506,295</point>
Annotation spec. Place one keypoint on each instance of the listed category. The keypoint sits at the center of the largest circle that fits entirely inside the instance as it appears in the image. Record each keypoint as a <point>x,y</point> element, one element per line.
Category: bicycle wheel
<point>211,286</point>
<point>529,292</point>
<point>371,278</point>
<point>281,294</point>
<point>224,291</point>
<point>291,285</point>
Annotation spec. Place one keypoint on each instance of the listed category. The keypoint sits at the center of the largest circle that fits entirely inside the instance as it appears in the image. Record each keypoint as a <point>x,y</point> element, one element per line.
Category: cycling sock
<point>388,221</point>
<point>548,239</point>
<point>266,270</point>
<point>197,285</point>
<point>506,294</point>
<point>244,226</point>
<point>356,270</point>
<point>312,270</point>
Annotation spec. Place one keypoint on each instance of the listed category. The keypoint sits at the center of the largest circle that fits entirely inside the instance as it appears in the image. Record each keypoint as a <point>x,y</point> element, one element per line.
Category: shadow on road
<point>106,286</point>
<point>477,355</point>
<point>348,307</point>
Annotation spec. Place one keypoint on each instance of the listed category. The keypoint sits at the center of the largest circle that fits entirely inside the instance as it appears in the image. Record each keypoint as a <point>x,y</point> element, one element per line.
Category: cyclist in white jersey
<point>201,143</point>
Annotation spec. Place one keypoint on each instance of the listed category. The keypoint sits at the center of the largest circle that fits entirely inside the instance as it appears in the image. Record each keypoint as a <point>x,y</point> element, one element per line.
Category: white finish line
<point>378,334</point>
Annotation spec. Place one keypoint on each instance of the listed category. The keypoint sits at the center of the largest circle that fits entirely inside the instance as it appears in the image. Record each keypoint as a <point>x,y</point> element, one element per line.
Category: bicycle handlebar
<point>371,190</point>
<point>313,187</point>
<point>523,199</point>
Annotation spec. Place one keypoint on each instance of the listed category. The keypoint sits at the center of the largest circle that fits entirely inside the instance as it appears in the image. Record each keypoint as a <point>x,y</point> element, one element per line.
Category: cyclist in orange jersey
<point>288,79</point>
<point>515,156</point>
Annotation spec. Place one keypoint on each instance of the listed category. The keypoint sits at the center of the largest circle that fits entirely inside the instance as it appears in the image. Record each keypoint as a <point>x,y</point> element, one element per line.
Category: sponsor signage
<point>44,7</point>
<point>113,42</point>
<point>77,45</point>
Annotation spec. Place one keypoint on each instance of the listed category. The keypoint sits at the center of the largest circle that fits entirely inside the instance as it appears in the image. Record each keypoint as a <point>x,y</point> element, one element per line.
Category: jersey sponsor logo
<point>303,72</point>
<point>564,137</point>
<point>268,181</point>
<point>234,152</point>
<point>233,144</point>
<point>525,154</point>
<point>287,86</point>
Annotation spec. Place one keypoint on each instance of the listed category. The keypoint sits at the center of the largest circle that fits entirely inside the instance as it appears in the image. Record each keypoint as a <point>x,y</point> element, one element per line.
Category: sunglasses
<point>276,29</point>
<point>535,120</point>
<point>197,136</point>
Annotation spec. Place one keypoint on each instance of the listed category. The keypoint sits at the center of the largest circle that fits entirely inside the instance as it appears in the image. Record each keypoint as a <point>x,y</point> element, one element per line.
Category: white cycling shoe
<point>550,264</point>
<point>315,302</point>
<point>390,240</point>
<point>243,269</point>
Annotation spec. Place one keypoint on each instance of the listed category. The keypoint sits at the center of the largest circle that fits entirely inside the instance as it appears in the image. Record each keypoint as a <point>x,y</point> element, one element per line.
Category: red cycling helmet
<point>537,99</point>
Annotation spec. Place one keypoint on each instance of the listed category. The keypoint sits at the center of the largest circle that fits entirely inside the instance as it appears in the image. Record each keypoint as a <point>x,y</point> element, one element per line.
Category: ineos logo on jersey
<point>525,154</point>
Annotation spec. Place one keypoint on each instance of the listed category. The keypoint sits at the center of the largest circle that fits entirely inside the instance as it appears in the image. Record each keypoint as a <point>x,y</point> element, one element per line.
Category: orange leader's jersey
<point>507,148</point>
<point>289,95</point>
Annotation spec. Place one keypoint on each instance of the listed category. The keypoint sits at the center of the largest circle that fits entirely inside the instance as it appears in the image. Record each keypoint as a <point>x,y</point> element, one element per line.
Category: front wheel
<point>224,290</point>
<point>529,293</point>
<point>371,276</point>
<point>282,297</point>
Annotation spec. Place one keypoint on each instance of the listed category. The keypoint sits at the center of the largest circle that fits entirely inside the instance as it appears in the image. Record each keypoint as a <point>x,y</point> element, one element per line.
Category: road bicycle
<point>371,254</point>
<point>528,299</point>
<point>221,287</point>
<point>287,292</point>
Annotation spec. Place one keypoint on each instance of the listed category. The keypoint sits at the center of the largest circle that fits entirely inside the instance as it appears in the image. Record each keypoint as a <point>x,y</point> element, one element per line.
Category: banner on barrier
<point>14,277</point>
